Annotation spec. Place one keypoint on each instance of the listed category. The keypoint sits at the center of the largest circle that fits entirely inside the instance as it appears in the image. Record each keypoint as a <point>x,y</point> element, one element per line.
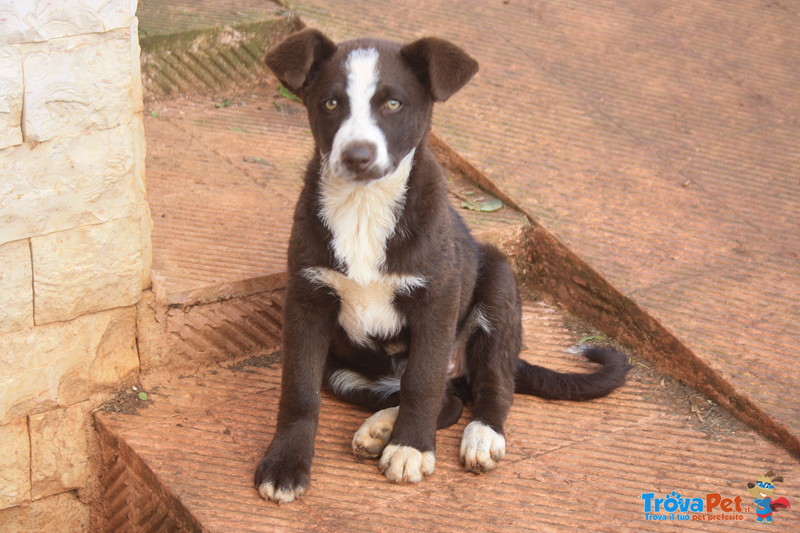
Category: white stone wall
<point>74,242</point>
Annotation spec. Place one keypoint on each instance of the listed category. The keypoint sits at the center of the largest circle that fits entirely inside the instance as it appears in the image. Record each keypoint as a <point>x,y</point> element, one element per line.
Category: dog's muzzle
<point>358,158</point>
<point>358,161</point>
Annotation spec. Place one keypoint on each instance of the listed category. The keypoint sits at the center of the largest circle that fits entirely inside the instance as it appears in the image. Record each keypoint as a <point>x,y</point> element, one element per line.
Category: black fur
<point>442,356</point>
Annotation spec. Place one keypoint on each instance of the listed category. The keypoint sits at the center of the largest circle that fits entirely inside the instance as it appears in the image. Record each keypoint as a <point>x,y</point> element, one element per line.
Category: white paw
<point>373,435</point>
<point>405,464</point>
<point>481,447</point>
<point>268,491</point>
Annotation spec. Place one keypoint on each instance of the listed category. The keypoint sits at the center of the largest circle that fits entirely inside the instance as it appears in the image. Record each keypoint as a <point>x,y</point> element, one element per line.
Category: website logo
<point>711,507</point>
<point>762,491</point>
<point>714,507</point>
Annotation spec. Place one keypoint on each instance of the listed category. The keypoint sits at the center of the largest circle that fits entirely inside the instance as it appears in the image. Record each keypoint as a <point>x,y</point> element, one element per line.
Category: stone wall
<point>74,245</point>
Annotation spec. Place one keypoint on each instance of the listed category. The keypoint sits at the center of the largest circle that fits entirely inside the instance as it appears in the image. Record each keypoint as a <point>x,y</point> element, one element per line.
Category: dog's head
<point>369,101</point>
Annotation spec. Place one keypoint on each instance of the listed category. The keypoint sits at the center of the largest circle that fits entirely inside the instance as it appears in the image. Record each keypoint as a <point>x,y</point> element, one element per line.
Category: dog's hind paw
<point>481,447</point>
<point>406,464</point>
<point>373,435</point>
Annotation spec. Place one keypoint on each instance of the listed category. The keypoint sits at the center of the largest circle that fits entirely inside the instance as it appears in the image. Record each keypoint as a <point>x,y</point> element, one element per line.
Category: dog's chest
<point>367,311</point>
<point>362,218</point>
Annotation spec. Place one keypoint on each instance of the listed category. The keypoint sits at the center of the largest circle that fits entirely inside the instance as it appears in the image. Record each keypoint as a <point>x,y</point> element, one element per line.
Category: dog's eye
<point>331,104</point>
<point>393,105</point>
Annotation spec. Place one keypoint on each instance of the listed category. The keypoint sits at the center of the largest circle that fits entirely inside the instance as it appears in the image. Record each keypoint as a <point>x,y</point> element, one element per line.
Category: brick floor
<point>655,141</point>
<point>569,465</point>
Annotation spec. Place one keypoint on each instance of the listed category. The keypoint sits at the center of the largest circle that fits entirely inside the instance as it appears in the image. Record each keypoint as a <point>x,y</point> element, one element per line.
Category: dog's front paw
<point>481,447</point>
<point>281,479</point>
<point>406,464</point>
<point>373,435</point>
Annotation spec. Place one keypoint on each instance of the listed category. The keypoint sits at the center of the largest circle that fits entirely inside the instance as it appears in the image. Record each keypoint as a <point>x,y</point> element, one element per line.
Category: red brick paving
<point>569,465</point>
<point>656,140</point>
<point>222,182</point>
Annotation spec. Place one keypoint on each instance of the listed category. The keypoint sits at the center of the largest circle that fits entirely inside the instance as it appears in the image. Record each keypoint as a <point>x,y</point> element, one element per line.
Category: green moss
<point>211,59</point>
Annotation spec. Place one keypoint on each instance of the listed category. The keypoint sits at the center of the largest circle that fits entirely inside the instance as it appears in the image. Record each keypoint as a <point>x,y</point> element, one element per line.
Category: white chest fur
<point>362,218</point>
<point>367,310</point>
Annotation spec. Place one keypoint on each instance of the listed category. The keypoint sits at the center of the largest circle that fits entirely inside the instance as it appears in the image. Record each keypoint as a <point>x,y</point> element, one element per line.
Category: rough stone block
<point>146,234</point>
<point>59,450</point>
<point>25,21</point>
<point>88,269</point>
<point>57,365</point>
<point>71,181</point>
<point>16,289</point>
<point>11,88</point>
<point>78,84</point>
<point>15,482</point>
<point>136,66</point>
<point>64,513</point>
<point>138,191</point>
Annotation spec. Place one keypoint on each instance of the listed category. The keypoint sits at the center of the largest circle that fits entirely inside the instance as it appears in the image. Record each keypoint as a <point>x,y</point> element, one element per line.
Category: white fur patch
<point>362,80</point>
<point>481,447</point>
<point>344,381</point>
<point>373,435</point>
<point>480,319</point>
<point>367,309</point>
<point>405,464</point>
<point>268,491</point>
<point>362,217</point>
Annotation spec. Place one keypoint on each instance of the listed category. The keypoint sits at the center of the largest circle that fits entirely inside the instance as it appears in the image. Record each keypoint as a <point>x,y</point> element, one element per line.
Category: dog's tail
<point>545,383</point>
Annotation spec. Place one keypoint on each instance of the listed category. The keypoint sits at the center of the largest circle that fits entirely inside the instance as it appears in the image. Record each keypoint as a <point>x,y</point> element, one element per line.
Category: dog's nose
<point>358,157</point>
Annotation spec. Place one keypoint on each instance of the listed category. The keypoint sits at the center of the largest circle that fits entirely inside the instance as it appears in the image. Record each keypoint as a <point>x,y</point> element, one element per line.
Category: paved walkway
<point>657,140</point>
<point>570,466</point>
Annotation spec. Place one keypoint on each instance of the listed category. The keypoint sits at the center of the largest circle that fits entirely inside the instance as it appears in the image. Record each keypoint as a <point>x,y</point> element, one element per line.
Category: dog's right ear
<point>294,59</point>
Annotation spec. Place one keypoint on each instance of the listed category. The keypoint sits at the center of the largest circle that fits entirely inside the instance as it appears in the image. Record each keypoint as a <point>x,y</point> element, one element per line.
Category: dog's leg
<point>284,472</point>
<point>409,456</point>
<point>491,361</point>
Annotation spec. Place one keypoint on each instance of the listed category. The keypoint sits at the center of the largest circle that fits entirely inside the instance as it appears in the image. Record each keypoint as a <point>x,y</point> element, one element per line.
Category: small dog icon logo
<point>763,490</point>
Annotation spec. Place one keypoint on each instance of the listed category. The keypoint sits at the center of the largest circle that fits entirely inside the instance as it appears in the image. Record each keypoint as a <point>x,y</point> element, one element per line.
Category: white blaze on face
<point>360,126</point>
<point>362,216</point>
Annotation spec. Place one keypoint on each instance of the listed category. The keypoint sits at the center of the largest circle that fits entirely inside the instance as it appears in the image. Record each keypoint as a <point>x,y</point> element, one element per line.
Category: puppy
<point>390,302</point>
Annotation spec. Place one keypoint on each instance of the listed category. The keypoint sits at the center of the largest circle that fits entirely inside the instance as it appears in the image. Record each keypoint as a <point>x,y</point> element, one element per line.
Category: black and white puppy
<point>391,303</point>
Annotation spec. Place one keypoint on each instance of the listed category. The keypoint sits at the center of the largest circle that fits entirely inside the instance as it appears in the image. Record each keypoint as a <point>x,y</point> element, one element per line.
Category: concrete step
<point>655,150</point>
<point>205,46</point>
<point>184,459</point>
<point>225,155</point>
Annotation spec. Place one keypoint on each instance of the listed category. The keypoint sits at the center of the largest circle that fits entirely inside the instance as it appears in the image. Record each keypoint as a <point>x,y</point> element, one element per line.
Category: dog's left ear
<point>440,65</point>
